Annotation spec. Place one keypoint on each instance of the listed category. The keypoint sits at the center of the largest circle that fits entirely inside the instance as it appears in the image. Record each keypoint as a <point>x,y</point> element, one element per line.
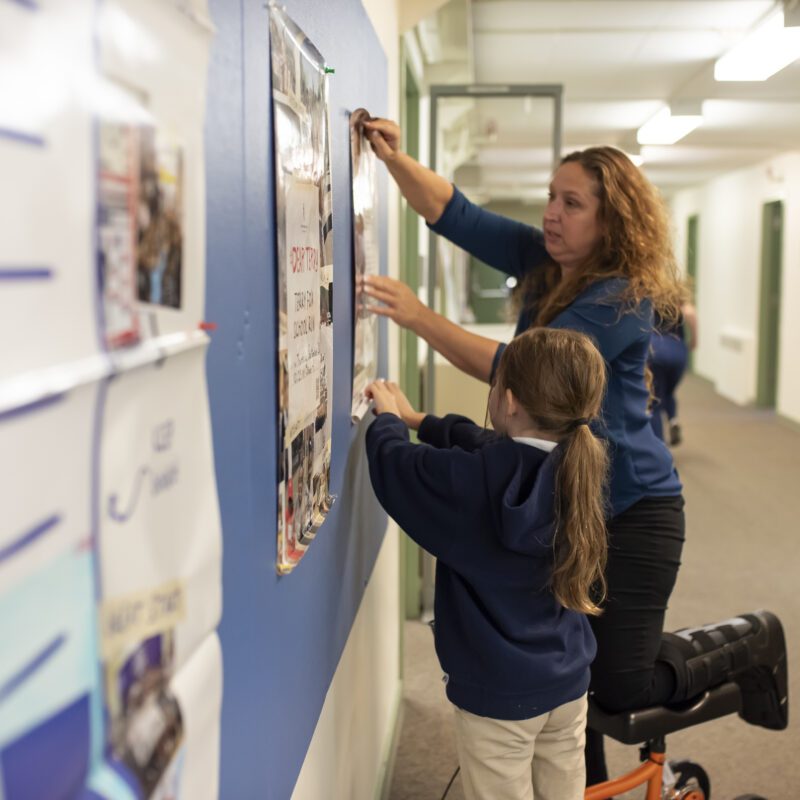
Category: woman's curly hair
<point>635,244</point>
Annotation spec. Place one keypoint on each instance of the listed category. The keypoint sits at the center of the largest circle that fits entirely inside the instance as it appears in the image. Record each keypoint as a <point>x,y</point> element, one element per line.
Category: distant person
<point>516,520</point>
<point>669,356</point>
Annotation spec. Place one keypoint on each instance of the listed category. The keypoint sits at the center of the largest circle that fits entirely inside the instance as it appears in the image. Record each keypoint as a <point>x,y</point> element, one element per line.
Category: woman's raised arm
<point>468,351</point>
<point>427,193</point>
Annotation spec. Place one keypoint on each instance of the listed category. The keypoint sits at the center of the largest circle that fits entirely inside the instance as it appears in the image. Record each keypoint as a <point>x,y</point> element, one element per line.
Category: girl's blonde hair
<point>558,376</point>
<point>635,244</point>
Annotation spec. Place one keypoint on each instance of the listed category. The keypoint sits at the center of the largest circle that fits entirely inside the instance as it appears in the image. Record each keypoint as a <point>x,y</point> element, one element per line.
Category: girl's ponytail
<point>580,544</point>
<point>559,378</point>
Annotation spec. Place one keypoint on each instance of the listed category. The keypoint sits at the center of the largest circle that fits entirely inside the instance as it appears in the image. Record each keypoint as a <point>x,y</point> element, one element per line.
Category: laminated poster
<point>140,225</point>
<point>110,543</point>
<point>49,671</point>
<point>305,286</point>
<point>48,314</point>
<point>366,255</point>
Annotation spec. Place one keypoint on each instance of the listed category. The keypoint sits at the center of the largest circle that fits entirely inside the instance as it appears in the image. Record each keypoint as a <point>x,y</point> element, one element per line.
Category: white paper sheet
<point>160,542</point>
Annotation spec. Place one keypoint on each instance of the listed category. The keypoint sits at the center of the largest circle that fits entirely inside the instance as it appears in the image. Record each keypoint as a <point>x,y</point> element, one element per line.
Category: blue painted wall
<point>281,636</point>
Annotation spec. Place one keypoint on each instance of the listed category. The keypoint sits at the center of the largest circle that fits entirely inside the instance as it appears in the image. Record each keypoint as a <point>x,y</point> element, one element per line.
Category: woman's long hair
<point>558,376</point>
<point>635,243</point>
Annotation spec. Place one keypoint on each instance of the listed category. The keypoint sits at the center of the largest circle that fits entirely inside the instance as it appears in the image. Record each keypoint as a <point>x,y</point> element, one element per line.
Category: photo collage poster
<point>366,256</point>
<point>305,286</point>
<point>110,570</point>
<point>140,225</point>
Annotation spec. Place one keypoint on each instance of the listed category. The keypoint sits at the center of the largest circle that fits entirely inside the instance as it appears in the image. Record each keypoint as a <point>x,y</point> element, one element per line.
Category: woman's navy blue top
<point>641,464</point>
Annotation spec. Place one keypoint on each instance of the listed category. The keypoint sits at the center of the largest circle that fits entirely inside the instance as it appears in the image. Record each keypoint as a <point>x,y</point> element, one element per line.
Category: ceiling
<point>618,61</point>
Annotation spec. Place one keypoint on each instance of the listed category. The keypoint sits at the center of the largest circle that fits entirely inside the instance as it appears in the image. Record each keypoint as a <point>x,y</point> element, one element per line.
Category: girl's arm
<point>454,430</point>
<point>425,490</point>
<point>469,352</point>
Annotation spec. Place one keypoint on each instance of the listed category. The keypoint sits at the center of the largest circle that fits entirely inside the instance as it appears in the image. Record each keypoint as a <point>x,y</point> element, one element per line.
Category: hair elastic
<point>573,426</point>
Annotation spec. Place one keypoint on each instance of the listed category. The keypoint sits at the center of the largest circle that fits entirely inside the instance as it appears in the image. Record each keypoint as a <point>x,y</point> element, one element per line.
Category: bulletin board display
<point>282,634</point>
<point>110,551</point>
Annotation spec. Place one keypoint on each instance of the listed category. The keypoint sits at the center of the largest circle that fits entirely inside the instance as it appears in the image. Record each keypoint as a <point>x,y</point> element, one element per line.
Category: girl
<point>516,521</point>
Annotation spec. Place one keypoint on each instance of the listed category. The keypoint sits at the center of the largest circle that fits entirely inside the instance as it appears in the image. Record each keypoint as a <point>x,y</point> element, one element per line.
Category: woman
<point>602,265</point>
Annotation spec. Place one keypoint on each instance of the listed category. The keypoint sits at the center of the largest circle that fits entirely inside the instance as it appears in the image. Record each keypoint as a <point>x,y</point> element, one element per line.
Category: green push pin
<point>329,70</point>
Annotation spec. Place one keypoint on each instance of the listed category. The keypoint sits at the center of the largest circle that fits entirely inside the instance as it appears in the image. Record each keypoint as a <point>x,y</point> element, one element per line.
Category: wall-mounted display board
<point>304,233</point>
<point>110,540</point>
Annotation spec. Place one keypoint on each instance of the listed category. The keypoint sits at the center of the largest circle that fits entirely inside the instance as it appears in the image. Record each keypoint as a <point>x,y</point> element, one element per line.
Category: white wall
<point>729,276</point>
<point>349,754</point>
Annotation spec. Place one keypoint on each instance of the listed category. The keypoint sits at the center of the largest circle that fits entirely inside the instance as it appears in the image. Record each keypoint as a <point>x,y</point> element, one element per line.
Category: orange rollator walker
<point>750,662</point>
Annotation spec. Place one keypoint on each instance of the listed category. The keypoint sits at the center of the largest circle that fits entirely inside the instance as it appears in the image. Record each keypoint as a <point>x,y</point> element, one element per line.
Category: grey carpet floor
<point>741,471</point>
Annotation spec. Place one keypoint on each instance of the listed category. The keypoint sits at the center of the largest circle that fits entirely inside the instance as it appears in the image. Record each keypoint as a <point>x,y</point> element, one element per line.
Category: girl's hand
<point>395,402</point>
<point>399,302</point>
<point>384,136</point>
<point>383,398</point>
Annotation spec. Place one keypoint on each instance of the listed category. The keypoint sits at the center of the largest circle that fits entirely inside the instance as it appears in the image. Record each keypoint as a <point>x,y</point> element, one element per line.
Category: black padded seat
<point>636,727</point>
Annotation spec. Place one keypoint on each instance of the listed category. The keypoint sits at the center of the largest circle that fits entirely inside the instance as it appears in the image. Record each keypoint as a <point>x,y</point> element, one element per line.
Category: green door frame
<point>439,92</point>
<point>769,303</point>
<point>692,232</point>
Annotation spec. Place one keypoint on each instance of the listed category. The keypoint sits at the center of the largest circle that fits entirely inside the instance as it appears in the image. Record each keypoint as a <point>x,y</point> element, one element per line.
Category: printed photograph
<point>159,247</point>
<point>146,720</point>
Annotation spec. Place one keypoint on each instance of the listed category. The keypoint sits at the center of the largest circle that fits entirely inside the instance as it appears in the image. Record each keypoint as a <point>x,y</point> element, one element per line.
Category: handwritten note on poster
<point>302,283</point>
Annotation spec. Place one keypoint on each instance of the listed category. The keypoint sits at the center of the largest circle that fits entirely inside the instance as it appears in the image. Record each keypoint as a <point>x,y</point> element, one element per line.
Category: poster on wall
<point>366,257</point>
<point>140,226</point>
<point>48,315</point>
<point>110,544</point>
<point>49,677</point>
<point>305,286</point>
<point>150,172</point>
<point>159,559</point>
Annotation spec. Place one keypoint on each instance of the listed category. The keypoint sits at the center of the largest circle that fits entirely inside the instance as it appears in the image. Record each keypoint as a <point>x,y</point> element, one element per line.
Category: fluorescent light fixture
<point>667,128</point>
<point>767,50</point>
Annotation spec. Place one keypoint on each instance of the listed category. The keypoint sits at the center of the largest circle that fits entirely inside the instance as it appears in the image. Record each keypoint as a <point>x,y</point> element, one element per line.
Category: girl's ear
<point>512,406</point>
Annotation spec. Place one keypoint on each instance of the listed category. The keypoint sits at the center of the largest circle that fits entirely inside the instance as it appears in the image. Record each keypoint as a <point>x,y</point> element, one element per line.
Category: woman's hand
<point>389,399</point>
<point>399,302</point>
<point>427,193</point>
<point>384,136</point>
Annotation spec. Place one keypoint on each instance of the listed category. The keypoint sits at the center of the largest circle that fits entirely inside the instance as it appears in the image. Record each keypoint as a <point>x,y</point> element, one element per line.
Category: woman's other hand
<point>384,136</point>
<point>399,301</point>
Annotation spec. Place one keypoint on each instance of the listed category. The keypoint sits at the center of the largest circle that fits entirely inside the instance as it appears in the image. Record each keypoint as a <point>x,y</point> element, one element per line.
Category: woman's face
<point>571,228</point>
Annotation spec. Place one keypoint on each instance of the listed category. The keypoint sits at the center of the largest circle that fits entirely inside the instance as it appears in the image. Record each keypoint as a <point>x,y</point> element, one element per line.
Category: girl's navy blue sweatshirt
<point>484,506</point>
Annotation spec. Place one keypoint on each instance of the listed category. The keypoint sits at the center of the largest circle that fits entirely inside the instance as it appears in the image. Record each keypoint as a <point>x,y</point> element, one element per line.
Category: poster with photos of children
<point>366,256</point>
<point>140,228</point>
<point>305,286</point>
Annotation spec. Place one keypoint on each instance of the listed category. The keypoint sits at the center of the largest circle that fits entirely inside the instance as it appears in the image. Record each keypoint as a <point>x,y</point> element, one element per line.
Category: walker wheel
<point>692,782</point>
